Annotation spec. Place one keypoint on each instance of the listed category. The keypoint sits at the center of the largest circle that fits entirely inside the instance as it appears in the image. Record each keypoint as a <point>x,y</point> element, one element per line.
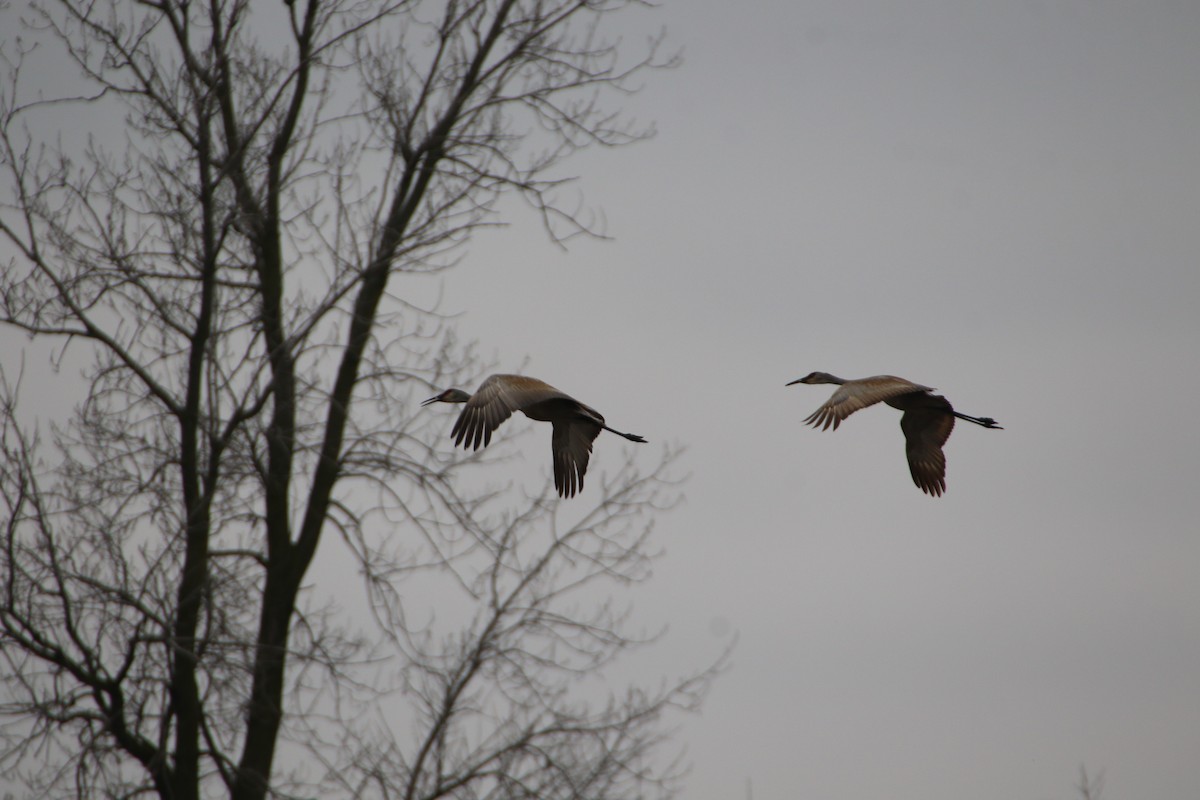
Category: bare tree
<point>1090,788</point>
<point>245,274</point>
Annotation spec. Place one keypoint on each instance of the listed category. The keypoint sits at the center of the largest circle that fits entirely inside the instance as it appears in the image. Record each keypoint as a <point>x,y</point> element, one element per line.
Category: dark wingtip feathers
<point>822,418</point>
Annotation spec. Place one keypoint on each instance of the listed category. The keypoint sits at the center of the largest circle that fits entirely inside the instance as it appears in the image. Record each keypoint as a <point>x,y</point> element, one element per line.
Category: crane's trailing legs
<point>986,422</point>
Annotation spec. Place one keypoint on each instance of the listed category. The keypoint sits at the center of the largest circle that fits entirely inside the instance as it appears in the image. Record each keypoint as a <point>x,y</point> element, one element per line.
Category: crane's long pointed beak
<point>432,400</point>
<point>792,383</point>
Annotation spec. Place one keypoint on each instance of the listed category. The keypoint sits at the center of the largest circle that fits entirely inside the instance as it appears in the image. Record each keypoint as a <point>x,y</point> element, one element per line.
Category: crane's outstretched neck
<point>633,437</point>
<point>817,377</point>
<point>986,422</point>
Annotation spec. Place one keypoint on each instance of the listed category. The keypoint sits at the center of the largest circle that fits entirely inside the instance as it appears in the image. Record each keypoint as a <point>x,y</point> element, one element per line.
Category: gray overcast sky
<point>999,199</point>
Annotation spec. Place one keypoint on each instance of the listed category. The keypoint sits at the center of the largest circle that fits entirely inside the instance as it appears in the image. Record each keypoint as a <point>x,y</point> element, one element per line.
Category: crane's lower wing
<point>572,448</point>
<point>926,428</point>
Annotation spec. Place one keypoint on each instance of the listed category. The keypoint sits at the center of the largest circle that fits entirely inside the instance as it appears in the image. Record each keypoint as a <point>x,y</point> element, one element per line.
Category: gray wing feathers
<point>483,413</point>
<point>858,394</point>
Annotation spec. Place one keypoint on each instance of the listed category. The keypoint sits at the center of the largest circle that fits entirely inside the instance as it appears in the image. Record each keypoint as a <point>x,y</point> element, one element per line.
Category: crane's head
<point>449,396</point>
<point>816,377</point>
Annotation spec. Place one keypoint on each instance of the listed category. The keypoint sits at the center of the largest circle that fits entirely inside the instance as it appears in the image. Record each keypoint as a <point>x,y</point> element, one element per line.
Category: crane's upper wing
<point>927,426</point>
<point>572,447</point>
<point>495,401</point>
<point>856,394</point>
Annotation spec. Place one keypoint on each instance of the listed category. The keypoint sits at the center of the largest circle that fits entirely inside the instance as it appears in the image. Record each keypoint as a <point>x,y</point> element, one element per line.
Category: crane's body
<point>927,421</point>
<point>575,425</point>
